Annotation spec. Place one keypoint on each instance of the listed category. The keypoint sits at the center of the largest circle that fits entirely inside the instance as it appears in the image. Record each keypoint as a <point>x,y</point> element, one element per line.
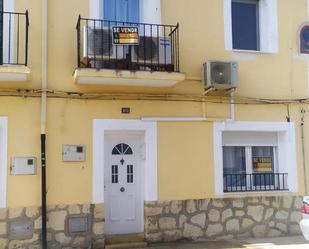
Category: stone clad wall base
<point>58,227</point>
<point>222,218</point>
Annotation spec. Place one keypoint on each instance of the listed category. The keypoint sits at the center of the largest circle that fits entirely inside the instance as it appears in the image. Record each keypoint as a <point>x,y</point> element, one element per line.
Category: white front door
<point>123,184</point>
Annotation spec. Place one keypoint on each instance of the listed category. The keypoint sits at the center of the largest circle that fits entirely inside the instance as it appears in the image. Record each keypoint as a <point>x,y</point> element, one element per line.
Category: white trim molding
<point>287,159</point>
<point>3,160</point>
<point>268,27</point>
<point>102,127</point>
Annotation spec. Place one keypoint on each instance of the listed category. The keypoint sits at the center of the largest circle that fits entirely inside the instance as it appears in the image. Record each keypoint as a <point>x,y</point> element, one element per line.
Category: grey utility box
<point>73,153</point>
<point>23,166</point>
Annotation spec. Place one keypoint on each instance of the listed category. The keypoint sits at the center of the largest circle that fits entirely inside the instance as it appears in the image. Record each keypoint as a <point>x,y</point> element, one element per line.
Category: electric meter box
<point>73,153</point>
<point>23,166</point>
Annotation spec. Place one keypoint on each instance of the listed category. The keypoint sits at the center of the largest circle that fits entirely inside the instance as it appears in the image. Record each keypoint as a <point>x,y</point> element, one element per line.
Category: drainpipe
<point>232,106</point>
<point>43,122</point>
<point>302,124</point>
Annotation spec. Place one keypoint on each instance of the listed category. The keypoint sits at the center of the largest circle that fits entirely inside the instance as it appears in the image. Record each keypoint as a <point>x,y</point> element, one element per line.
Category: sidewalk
<point>265,243</point>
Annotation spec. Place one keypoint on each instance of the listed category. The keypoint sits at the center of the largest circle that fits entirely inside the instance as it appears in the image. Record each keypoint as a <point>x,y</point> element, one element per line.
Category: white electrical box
<point>73,153</point>
<point>23,166</point>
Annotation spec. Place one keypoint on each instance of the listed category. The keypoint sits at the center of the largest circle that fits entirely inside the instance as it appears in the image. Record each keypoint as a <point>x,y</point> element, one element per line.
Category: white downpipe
<point>232,107</point>
<point>44,66</point>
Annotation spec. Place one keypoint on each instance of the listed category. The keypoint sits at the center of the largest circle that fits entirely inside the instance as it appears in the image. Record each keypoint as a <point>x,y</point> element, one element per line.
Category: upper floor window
<point>245,24</point>
<point>304,40</point>
<point>251,25</point>
<point>122,10</point>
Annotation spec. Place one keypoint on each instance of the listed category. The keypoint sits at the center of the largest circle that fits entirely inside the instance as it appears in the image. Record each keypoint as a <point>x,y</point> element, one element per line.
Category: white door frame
<point>103,126</point>
<point>3,160</point>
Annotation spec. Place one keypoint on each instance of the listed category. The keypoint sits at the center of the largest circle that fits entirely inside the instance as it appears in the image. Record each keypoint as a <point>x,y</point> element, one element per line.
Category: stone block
<point>256,212</point>
<point>62,238</point>
<point>232,225</point>
<point>238,203</point>
<point>199,220</point>
<point>98,228</point>
<point>3,228</point>
<point>3,213</point>
<point>191,206</point>
<point>214,215</point>
<point>203,204</point>
<point>259,231</point>
<point>56,220</point>
<point>246,223</point>
<point>182,220</point>
<point>295,217</point>
<point>15,213</point>
<point>151,224</point>
<point>167,223</point>
<point>218,203</point>
<point>227,214</point>
<point>172,235</point>
<point>192,231</point>
<point>32,212</point>
<point>282,215</point>
<point>74,209</point>
<point>287,202</point>
<point>154,237</point>
<point>153,210</point>
<point>176,207</point>
<point>76,224</point>
<point>269,213</point>
<point>214,229</point>
<point>99,211</point>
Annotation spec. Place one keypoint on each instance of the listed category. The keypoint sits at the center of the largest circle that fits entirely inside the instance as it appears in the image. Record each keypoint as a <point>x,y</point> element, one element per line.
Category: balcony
<point>14,28</point>
<point>125,53</point>
<point>255,182</point>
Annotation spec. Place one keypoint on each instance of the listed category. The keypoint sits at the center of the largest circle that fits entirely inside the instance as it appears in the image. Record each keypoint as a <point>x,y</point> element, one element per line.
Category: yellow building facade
<point>138,145</point>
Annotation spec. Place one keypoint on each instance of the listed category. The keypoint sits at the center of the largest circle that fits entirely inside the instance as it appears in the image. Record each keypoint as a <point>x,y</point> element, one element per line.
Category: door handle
<point>122,189</point>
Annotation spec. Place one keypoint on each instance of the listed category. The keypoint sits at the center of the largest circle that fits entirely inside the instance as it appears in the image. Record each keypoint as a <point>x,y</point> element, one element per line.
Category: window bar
<point>109,42</point>
<point>124,52</point>
<point>172,44</point>
<point>87,35</point>
<point>240,178</point>
<point>283,182</point>
<point>264,179</point>
<point>17,47</point>
<point>158,42</point>
<point>164,42</point>
<point>278,187</point>
<point>116,24</point>
<point>10,23</point>
<point>178,66</point>
<point>94,44</point>
<point>144,47</point>
<point>102,43</point>
<point>151,49</point>
<point>78,40</point>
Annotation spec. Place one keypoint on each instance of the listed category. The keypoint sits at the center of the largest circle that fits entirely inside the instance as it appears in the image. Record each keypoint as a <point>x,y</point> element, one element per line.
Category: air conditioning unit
<point>155,50</point>
<point>220,75</point>
<point>98,43</point>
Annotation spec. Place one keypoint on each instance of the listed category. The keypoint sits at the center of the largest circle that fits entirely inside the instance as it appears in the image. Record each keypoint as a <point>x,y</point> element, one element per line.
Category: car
<point>304,223</point>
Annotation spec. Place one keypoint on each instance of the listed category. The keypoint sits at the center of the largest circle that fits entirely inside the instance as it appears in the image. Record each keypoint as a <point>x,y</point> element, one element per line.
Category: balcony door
<point>121,10</point>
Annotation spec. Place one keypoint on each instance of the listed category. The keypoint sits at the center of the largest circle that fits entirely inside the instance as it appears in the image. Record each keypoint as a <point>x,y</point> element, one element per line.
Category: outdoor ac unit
<point>220,75</point>
<point>155,50</point>
<point>98,43</point>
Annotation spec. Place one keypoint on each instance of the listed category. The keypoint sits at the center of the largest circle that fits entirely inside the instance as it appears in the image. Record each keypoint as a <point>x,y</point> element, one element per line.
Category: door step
<point>125,241</point>
<point>127,245</point>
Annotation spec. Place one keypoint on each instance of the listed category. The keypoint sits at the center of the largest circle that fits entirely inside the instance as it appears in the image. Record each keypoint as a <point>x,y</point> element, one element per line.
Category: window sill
<point>14,73</point>
<point>127,78</point>
<point>255,194</point>
<point>252,51</point>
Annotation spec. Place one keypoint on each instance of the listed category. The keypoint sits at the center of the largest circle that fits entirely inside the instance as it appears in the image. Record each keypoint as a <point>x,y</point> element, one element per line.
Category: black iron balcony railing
<point>14,28</point>
<point>255,182</point>
<point>157,48</point>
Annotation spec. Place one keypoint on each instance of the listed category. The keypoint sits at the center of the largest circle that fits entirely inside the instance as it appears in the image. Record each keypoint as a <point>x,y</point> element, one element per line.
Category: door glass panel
<point>121,10</point>
<point>115,174</point>
<point>234,166</point>
<point>130,173</point>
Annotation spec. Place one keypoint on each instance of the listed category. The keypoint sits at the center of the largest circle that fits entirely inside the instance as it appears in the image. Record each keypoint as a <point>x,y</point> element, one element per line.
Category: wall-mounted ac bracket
<point>221,92</point>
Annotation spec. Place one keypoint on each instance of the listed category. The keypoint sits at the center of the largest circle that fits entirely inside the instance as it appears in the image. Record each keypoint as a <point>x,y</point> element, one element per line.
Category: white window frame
<point>150,11</point>
<point>3,160</point>
<point>268,27</point>
<point>286,149</point>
